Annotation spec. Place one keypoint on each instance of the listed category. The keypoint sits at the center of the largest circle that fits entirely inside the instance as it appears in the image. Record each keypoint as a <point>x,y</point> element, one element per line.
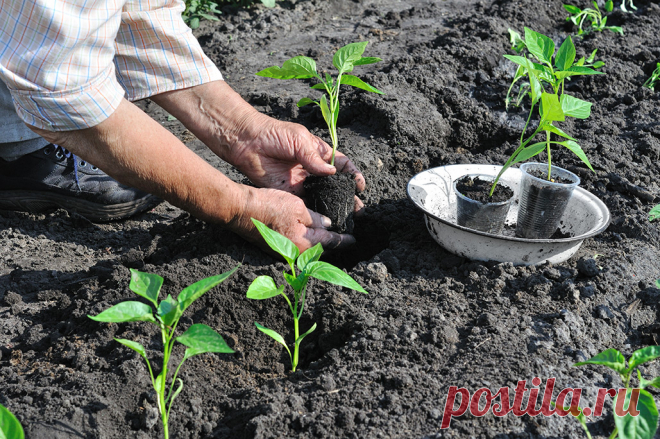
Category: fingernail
<point>329,168</point>
<point>326,221</point>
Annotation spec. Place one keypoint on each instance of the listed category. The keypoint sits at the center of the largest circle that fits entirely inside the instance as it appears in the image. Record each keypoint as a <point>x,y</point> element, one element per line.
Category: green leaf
<point>615,29</point>
<point>642,426</point>
<point>654,214</point>
<point>279,243</point>
<point>263,287</point>
<point>345,58</point>
<point>551,108</point>
<point>577,150</point>
<point>535,88</point>
<point>194,23</point>
<point>299,67</point>
<point>306,101</point>
<point>366,60</point>
<point>208,17</point>
<point>137,347</point>
<point>539,45</point>
<point>644,355</point>
<point>319,86</point>
<point>169,311</point>
<point>310,255</point>
<point>128,311</point>
<point>610,358</point>
<point>332,274</point>
<point>609,5</point>
<point>158,382</point>
<point>577,71</point>
<point>575,107</point>
<point>565,55</point>
<point>199,288</point>
<point>598,64</point>
<point>146,285</point>
<point>572,9</point>
<point>516,40</point>
<point>178,389</point>
<point>10,428</point>
<point>297,283</point>
<point>300,339</point>
<point>325,110</point>
<point>644,383</point>
<point>358,83</point>
<point>201,339</point>
<point>592,57</point>
<point>529,152</point>
<point>274,335</point>
<point>557,131</point>
<point>268,3</point>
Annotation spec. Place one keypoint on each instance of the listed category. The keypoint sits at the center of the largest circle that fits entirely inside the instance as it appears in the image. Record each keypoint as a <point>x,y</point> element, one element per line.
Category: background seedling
<point>10,428</point>
<point>554,106</point>
<point>630,3</point>
<point>199,338</point>
<point>654,79</point>
<point>644,425</point>
<point>308,264</point>
<point>344,60</point>
<point>597,22</point>
<point>654,214</point>
<point>196,10</point>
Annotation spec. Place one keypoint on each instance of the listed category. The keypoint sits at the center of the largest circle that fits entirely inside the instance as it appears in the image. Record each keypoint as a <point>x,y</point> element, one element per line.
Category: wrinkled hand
<point>287,214</point>
<point>281,155</point>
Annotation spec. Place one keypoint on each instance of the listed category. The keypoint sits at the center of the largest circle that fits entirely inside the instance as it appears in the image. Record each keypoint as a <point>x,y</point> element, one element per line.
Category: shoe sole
<point>35,202</point>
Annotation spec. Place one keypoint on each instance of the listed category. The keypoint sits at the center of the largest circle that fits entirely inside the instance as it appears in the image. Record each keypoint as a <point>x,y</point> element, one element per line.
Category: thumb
<point>310,158</point>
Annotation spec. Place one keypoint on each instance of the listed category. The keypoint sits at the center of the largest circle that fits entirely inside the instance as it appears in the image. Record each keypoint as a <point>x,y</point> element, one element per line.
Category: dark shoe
<point>52,177</point>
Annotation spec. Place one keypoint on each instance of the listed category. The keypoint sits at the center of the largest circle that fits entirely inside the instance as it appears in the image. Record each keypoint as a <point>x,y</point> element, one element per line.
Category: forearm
<point>216,114</point>
<point>137,151</point>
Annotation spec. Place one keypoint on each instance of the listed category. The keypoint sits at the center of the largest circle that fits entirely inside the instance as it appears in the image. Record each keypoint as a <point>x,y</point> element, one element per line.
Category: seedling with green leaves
<point>654,214</point>
<point>196,10</point>
<point>10,428</point>
<point>654,80</point>
<point>597,22</point>
<point>308,264</point>
<point>644,425</point>
<point>344,60</point>
<point>198,338</point>
<point>554,105</point>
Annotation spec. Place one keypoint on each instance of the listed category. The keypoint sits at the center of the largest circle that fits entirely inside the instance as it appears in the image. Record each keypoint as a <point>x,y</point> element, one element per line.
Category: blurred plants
<point>196,10</point>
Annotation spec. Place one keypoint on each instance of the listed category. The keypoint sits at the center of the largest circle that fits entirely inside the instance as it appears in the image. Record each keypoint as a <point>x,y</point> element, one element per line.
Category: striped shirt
<point>69,63</point>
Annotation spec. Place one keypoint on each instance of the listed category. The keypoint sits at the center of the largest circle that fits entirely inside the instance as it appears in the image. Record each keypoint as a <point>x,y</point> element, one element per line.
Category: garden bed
<point>378,365</point>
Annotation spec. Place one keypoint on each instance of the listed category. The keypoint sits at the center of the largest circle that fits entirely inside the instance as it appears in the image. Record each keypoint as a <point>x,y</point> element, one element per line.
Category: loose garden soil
<point>479,190</point>
<point>333,197</point>
<point>378,365</point>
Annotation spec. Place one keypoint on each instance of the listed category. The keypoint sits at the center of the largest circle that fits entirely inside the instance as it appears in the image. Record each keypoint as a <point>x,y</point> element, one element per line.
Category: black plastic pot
<point>542,201</point>
<point>477,215</point>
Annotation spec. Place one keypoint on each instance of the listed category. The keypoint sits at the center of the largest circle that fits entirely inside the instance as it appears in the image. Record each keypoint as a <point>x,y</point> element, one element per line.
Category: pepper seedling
<point>654,79</point>
<point>198,338</point>
<point>654,214</point>
<point>597,22</point>
<point>645,424</point>
<point>630,3</point>
<point>344,60</point>
<point>10,428</point>
<point>554,106</point>
<point>308,264</point>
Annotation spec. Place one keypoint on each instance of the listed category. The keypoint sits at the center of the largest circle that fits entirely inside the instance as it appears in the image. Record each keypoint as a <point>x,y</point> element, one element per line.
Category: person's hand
<point>286,214</point>
<point>281,155</point>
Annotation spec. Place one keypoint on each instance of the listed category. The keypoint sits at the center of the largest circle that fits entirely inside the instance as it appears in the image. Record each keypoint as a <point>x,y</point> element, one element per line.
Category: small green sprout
<point>630,3</point>
<point>554,106</point>
<point>654,80</point>
<point>654,214</point>
<point>644,425</point>
<point>344,60</point>
<point>10,428</point>
<point>198,338</point>
<point>308,264</point>
<point>597,22</point>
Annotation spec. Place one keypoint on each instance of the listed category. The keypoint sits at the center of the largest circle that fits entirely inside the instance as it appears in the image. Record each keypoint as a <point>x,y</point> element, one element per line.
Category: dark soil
<point>333,197</point>
<point>544,176</point>
<point>479,190</point>
<point>378,365</point>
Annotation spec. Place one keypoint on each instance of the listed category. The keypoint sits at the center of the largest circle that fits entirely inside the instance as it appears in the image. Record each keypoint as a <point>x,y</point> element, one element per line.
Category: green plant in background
<point>344,60</point>
<point>654,79</point>
<point>308,264</point>
<point>196,10</point>
<point>10,428</point>
<point>199,338</point>
<point>597,22</point>
<point>554,106</point>
<point>654,214</point>
<point>630,3</point>
<point>644,425</point>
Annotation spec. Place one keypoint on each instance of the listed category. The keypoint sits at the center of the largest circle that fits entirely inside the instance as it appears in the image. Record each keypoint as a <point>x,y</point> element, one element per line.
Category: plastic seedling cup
<point>542,201</point>
<point>477,215</point>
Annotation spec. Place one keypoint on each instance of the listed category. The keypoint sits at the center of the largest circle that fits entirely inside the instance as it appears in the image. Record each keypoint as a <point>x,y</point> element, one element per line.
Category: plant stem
<point>295,345</point>
<point>163,381</point>
<point>614,433</point>
<point>549,156</point>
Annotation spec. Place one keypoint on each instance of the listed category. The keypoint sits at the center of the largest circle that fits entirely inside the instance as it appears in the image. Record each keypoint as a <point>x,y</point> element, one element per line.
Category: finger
<point>329,240</point>
<point>319,221</point>
<point>359,206</point>
<point>310,158</point>
<point>345,165</point>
